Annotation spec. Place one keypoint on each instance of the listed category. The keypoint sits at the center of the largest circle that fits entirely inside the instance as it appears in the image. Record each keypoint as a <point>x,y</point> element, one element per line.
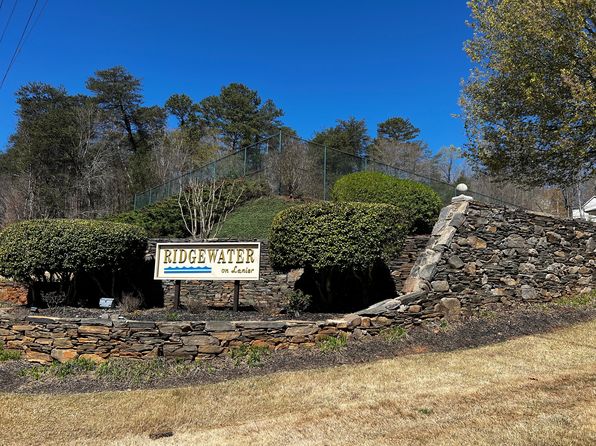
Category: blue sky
<point>318,60</point>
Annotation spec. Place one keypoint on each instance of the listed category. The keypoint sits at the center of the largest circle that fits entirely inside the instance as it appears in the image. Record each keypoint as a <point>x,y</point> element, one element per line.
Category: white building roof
<point>590,205</point>
<point>587,211</point>
<point>583,215</point>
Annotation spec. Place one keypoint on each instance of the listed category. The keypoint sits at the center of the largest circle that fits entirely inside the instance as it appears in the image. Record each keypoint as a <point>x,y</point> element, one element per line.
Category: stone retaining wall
<point>45,339</point>
<point>401,266</point>
<point>487,256</point>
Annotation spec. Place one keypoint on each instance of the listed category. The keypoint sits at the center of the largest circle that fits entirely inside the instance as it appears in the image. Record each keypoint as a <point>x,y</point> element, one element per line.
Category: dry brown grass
<point>536,390</point>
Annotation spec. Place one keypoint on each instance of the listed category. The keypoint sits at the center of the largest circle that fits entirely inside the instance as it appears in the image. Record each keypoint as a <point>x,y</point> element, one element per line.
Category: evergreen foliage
<point>161,219</point>
<point>418,201</point>
<point>343,236</point>
<point>58,250</point>
<point>397,129</point>
<point>239,115</point>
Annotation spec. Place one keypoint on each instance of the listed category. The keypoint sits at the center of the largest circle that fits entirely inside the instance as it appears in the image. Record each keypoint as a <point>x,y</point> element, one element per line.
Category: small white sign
<point>106,302</point>
<point>207,261</point>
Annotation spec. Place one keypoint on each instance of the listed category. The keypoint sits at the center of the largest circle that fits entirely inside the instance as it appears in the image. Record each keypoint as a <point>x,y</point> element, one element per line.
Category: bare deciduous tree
<point>171,156</point>
<point>407,155</point>
<point>448,158</point>
<point>205,205</point>
<point>90,158</point>
<point>543,199</point>
<point>15,197</point>
<point>290,170</point>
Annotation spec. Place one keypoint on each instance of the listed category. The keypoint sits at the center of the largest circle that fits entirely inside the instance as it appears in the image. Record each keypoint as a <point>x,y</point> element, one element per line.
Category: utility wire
<point>17,49</point>
<point>34,23</point>
<point>14,5</point>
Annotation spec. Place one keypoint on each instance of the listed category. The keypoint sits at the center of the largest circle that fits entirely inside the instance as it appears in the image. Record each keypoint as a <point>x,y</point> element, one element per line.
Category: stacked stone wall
<point>401,266</point>
<point>44,339</point>
<point>486,256</point>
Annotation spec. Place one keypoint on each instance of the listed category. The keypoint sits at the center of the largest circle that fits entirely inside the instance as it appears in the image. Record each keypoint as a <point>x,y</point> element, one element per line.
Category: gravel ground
<point>470,333</point>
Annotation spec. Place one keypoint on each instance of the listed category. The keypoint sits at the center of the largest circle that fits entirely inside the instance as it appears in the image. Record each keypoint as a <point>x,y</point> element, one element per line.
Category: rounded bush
<point>342,236</point>
<point>30,249</point>
<point>418,201</point>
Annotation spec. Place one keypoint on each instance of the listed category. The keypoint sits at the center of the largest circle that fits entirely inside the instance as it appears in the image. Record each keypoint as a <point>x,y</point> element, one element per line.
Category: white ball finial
<point>461,188</point>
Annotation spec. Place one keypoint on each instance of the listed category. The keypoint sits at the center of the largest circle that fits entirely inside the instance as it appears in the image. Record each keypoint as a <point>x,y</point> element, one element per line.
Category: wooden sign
<point>208,261</point>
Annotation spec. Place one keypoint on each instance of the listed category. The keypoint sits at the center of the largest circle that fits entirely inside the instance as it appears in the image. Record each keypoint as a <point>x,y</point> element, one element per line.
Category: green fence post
<point>245,149</point>
<point>325,173</point>
<point>134,202</point>
<point>279,149</point>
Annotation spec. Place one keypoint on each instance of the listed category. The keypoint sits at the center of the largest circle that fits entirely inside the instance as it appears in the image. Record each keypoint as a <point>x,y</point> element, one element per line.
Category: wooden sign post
<point>236,294</point>
<point>177,285</point>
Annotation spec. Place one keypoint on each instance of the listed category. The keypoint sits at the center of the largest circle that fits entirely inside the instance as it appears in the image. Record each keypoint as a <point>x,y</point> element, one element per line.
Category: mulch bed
<point>470,333</point>
<point>162,314</point>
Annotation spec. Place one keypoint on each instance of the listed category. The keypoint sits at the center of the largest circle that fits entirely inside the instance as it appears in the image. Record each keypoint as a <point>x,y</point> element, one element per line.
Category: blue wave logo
<point>187,269</point>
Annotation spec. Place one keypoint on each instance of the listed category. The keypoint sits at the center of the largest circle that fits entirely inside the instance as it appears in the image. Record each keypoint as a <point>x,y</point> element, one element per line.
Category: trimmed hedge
<point>29,249</point>
<point>342,236</point>
<point>418,201</point>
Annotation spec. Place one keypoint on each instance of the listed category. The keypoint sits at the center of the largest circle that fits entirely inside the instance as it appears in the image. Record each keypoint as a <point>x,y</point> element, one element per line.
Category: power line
<point>34,23</point>
<point>14,5</point>
<point>32,26</point>
<point>17,49</point>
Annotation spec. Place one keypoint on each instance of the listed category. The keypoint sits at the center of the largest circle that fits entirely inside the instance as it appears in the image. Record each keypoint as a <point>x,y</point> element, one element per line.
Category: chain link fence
<point>296,167</point>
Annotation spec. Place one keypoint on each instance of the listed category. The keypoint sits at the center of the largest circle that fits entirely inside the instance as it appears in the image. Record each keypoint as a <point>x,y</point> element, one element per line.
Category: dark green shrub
<point>338,235</point>
<point>342,247</point>
<point>298,302</point>
<point>163,219</point>
<point>41,251</point>
<point>418,201</point>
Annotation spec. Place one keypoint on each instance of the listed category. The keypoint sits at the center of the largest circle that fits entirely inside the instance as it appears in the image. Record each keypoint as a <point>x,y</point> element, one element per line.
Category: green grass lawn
<point>253,219</point>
